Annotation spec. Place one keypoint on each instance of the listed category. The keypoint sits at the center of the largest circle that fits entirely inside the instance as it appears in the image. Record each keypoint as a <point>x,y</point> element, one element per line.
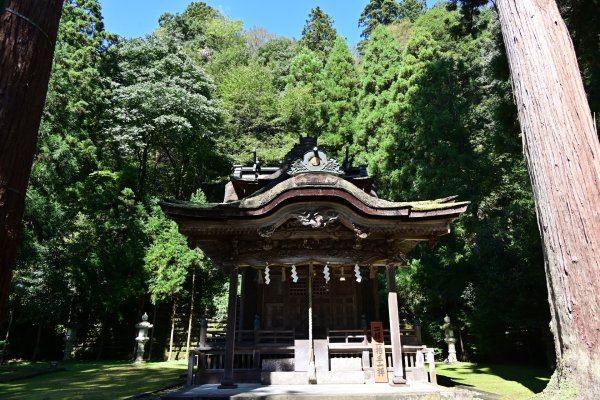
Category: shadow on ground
<point>471,376</point>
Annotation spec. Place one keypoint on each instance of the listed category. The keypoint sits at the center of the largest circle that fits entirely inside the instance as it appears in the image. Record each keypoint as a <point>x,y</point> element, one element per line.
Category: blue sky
<point>131,18</point>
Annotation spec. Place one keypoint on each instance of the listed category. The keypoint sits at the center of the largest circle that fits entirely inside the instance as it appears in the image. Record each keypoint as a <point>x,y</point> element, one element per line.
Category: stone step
<point>414,391</point>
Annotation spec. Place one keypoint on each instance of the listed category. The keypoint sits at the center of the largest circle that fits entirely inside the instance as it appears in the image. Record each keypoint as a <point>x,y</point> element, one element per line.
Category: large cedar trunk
<point>561,149</point>
<point>27,34</point>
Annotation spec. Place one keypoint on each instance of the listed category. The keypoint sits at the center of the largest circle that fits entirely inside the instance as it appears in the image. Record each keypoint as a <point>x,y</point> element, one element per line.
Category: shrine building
<point>306,241</point>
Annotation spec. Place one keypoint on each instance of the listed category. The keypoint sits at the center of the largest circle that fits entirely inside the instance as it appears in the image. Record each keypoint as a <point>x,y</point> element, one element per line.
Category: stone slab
<point>321,354</point>
<point>340,377</point>
<point>346,364</point>
<point>417,374</point>
<point>284,378</point>
<point>301,355</point>
<point>414,391</point>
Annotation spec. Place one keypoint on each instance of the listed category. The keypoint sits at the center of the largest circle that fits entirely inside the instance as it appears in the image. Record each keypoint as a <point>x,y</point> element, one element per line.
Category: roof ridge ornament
<point>315,161</point>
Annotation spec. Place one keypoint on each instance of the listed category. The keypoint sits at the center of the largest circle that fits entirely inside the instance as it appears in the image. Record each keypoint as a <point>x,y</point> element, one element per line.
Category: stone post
<point>142,337</point>
<point>365,342</point>
<point>394,326</point>
<point>431,362</point>
<point>449,339</point>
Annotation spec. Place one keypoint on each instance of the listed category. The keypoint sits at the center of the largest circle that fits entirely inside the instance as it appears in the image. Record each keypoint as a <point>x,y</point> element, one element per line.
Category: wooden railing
<point>255,345</point>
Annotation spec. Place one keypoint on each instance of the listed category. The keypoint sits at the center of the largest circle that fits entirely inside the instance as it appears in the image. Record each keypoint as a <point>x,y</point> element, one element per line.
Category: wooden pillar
<point>243,294</point>
<point>227,380</point>
<point>394,326</point>
<point>312,373</point>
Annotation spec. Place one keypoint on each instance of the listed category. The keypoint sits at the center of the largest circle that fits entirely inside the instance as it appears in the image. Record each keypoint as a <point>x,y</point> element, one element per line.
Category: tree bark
<point>152,333</point>
<point>191,316</point>
<point>28,31</point>
<point>562,153</point>
<point>173,315</point>
<point>10,320</point>
<point>36,347</point>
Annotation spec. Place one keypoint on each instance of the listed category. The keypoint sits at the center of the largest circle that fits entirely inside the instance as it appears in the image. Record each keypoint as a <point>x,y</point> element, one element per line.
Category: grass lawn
<point>508,382</point>
<point>91,380</point>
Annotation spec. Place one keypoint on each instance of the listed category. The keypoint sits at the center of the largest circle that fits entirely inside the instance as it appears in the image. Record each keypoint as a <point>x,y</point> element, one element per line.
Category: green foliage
<point>375,126</point>
<point>300,105</point>
<point>401,30</point>
<point>378,12</point>
<point>190,26</point>
<point>207,37</point>
<point>318,33</point>
<point>411,9</point>
<point>277,55</point>
<point>340,90</point>
<point>450,138</point>
<point>168,260</point>
<point>256,38</point>
<point>85,234</point>
<point>162,102</point>
<point>250,100</point>
<point>75,85</point>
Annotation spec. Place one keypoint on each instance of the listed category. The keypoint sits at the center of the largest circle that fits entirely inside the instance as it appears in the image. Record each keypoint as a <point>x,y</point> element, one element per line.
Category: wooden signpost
<point>379,361</point>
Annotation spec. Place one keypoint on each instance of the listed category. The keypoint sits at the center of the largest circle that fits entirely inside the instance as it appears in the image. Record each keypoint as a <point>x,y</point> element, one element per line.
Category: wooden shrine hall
<point>307,240</point>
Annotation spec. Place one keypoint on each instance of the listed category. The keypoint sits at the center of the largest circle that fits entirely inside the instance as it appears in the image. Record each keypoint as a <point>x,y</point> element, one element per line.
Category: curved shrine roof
<point>309,209</point>
<point>312,186</point>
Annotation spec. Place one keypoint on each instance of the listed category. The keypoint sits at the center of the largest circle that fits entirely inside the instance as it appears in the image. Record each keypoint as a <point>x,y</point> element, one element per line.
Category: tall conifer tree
<point>378,12</point>
<point>340,90</point>
<point>300,104</point>
<point>411,9</point>
<point>318,33</point>
<point>379,71</point>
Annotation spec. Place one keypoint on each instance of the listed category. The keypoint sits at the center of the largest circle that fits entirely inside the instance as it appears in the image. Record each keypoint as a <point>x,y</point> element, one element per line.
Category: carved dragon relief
<point>316,219</point>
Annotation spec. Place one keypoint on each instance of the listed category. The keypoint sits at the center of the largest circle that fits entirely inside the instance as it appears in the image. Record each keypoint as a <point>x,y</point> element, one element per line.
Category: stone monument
<point>450,340</point>
<point>142,337</point>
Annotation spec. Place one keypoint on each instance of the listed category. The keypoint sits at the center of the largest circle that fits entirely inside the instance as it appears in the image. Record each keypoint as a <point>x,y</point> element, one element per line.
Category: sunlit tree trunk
<point>27,34</point>
<point>562,153</point>
<point>173,315</point>
<point>152,333</point>
<point>191,316</point>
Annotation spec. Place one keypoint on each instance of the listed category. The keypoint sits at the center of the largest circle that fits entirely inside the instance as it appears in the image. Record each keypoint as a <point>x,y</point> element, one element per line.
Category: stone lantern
<point>142,337</point>
<point>69,339</point>
<point>449,339</point>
